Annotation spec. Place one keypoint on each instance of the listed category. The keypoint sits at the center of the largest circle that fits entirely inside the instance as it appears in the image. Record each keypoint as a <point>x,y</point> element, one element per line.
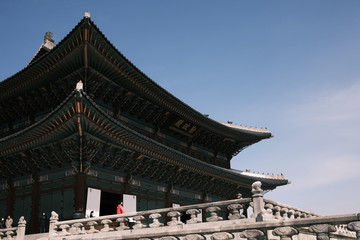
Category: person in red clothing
<point>120,209</point>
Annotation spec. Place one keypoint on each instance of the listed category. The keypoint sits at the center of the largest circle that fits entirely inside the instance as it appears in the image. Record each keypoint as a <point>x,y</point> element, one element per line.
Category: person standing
<point>43,223</point>
<point>8,222</point>
<point>120,209</point>
<point>2,223</point>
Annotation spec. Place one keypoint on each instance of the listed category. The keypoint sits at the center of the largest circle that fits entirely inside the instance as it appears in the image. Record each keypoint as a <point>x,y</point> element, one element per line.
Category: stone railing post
<point>194,237</point>
<point>213,215</point>
<point>235,211</point>
<point>284,212</point>
<point>193,216</point>
<point>92,225</point>
<point>138,219</point>
<point>53,220</point>
<point>64,230</point>
<point>156,223</point>
<point>355,226</point>
<point>174,218</point>
<point>322,231</point>
<point>285,233</point>
<point>252,234</point>
<point>222,236</point>
<point>21,229</point>
<point>122,224</point>
<point>106,227</point>
<point>258,200</point>
<point>9,235</point>
<point>277,214</point>
<point>291,214</point>
<point>77,228</point>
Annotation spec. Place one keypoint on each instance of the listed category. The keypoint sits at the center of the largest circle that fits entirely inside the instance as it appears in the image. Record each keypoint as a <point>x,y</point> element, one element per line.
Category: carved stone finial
<point>87,14</point>
<point>22,222</point>
<point>258,201</point>
<point>54,217</point>
<point>256,188</point>
<point>48,37</point>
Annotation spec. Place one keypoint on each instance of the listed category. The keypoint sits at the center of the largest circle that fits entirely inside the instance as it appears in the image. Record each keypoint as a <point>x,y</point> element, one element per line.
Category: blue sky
<point>290,66</point>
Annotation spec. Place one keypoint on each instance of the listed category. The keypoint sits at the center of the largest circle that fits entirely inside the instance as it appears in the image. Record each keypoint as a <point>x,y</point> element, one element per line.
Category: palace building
<point>81,127</point>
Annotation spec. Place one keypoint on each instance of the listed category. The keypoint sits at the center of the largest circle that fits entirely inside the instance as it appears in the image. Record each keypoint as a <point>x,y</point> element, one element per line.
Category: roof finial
<point>48,37</point>
<point>79,86</point>
<point>87,14</point>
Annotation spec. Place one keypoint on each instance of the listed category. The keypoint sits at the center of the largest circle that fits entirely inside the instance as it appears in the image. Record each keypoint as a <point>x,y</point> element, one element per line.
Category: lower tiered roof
<point>79,133</point>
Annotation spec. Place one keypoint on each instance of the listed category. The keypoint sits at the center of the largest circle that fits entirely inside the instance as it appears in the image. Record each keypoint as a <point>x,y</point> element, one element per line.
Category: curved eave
<point>145,85</point>
<point>59,125</point>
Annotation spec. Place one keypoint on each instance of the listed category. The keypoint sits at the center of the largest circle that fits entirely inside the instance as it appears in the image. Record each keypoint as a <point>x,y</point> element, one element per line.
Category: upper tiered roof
<point>101,56</point>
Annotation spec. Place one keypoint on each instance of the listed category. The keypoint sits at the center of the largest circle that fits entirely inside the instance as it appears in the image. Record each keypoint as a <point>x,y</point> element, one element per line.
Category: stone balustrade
<point>283,212</point>
<point>321,227</point>
<point>17,233</point>
<point>216,220</point>
<point>207,212</point>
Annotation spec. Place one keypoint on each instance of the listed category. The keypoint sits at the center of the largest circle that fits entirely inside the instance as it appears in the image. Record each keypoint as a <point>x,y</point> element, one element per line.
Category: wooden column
<point>168,197</point>
<point>35,201</point>
<point>188,148</point>
<point>203,200</point>
<point>214,158</point>
<point>126,185</point>
<point>228,161</point>
<point>80,195</point>
<point>10,200</point>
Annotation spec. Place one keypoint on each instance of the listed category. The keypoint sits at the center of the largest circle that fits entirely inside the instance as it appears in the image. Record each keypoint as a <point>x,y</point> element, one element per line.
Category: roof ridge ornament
<point>79,86</point>
<point>87,14</point>
<point>48,37</point>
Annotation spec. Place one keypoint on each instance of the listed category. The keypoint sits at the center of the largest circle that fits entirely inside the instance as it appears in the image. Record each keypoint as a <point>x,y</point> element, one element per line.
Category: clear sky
<point>290,66</point>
